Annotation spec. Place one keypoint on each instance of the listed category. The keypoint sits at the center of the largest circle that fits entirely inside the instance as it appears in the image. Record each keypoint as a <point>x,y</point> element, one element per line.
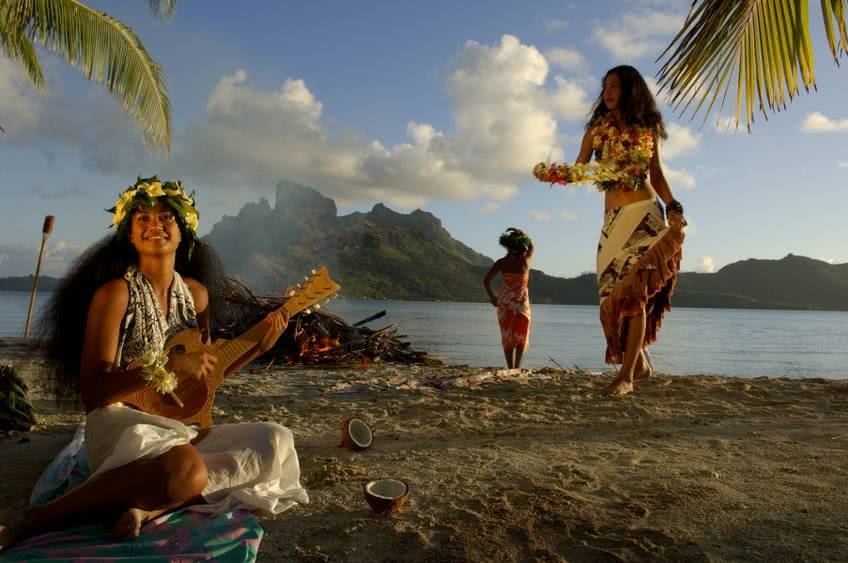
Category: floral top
<point>622,156</point>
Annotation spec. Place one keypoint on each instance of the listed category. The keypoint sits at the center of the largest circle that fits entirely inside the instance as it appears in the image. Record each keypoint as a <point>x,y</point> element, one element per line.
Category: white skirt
<point>251,465</point>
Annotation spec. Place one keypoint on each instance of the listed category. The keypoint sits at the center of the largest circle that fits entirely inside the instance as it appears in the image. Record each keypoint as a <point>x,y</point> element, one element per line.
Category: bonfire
<point>315,336</point>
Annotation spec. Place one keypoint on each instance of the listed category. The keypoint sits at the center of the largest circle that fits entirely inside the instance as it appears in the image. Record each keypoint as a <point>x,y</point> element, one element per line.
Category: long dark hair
<point>62,324</point>
<point>636,106</point>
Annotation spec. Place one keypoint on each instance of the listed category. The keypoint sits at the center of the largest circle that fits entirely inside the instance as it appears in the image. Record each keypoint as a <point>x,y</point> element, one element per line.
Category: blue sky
<point>440,105</point>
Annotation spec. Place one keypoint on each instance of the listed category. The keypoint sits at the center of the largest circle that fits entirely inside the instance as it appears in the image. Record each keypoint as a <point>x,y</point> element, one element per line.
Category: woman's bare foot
<point>644,374</point>
<point>619,386</point>
<point>9,534</point>
<point>128,526</point>
<point>644,369</point>
<point>13,533</point>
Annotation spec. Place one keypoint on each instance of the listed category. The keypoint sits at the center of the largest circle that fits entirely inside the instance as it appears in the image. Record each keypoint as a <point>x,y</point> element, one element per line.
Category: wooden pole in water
<point>45,232</point>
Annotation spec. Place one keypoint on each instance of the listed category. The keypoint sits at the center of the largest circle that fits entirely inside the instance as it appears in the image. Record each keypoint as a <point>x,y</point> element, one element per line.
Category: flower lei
<point>145,192</point>
<point>624,158</point>
<point>154,372</point>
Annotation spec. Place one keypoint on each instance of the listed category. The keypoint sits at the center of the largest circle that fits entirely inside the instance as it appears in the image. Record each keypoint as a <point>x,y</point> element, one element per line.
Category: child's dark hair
<point>636,106</point>
<point>515,240</point>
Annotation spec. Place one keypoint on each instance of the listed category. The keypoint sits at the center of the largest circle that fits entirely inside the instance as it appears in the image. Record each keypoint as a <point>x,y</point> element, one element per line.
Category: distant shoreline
<point>674,305</point>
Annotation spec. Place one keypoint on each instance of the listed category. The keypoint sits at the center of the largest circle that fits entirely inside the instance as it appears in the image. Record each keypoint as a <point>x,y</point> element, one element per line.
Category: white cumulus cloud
<point>540,215</point>
<point>819,123</point>
<point>565,58</point>
<point>635,35</point>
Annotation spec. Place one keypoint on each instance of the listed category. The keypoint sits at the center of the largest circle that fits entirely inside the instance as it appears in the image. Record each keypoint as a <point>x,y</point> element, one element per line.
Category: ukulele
<point>191,402</point>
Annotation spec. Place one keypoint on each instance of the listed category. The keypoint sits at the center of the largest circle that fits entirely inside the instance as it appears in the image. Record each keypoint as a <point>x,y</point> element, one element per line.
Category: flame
<point>314,344</point>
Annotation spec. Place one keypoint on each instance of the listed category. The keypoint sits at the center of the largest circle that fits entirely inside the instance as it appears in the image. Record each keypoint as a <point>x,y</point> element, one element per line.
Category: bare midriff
<point>619,197</point>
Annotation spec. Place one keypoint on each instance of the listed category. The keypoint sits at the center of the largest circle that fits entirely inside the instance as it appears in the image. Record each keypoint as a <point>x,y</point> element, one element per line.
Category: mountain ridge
<point>384,254</point>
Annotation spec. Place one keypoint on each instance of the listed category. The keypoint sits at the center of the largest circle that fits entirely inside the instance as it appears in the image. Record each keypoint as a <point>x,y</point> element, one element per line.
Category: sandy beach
<point>535,465</point>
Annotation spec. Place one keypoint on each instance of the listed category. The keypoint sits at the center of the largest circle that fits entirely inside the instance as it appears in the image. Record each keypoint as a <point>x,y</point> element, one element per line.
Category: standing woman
<point>123,299</point>
<point>513,301</point>
<point>638,254</point>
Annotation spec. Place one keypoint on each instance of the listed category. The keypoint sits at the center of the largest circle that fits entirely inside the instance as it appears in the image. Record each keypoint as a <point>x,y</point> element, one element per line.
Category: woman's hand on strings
<point>276,324</point>
<point>193,365</point>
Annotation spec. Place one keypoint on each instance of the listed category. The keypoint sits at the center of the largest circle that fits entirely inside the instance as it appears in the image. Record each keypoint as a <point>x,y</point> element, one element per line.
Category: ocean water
<point>692,341</point>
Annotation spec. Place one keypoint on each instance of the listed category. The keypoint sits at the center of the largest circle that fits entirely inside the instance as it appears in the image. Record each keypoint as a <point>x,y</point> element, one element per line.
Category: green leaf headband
<point>145,193</point>
<point>513,238</point>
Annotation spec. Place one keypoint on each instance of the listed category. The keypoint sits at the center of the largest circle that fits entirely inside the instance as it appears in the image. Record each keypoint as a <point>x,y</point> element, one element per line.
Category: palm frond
<point>760,46</point>
<point>833,12</point>
<point>163,9</point>
<point>17,46</point>
<point>106,51</point>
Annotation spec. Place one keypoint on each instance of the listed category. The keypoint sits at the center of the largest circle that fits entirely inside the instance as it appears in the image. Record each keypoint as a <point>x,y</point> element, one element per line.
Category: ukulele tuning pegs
<point>314,272</point>
<point>316,306</point>
<point>290,293</point>
<point>307,311</point>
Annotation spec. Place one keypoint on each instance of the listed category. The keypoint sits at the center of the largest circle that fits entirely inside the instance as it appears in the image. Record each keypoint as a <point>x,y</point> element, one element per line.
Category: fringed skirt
<point>638,261</point>
<point>514,311</point>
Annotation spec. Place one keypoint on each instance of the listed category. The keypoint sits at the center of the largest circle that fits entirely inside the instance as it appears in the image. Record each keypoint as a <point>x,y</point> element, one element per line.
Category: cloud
<point>842,164</point>
<point>638,34</point>
<point>567,215</point>
<point>706,265</point>
<point>680,140</point>
<point>92,124</point>
<point>19,108</point>
<point>678,178</point>
<point>555,24</point>
<point>565,58</point>
<point>504,117</point>
<point>489,207</point>
<point>570,100</point>
<point>18,260</point>
<point>540,215</point>
<point>819,123</point>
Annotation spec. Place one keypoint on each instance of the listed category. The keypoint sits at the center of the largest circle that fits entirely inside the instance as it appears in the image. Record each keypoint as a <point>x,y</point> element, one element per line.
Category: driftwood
<point>316,337</point>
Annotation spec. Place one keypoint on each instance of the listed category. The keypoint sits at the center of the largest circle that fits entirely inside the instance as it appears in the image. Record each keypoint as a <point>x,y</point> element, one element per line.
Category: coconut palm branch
<point>760,46</point>
<point>104,49</point>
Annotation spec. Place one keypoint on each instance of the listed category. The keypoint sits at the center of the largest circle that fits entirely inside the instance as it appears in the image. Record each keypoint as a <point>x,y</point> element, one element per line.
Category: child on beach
<point>513,301</point>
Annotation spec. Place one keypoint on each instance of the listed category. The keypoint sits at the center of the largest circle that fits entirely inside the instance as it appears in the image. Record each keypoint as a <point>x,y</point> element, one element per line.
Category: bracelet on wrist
<point>674,205</point>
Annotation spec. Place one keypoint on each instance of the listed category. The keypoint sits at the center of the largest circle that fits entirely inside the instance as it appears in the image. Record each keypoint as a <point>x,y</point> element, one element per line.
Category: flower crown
<point>145,193</point>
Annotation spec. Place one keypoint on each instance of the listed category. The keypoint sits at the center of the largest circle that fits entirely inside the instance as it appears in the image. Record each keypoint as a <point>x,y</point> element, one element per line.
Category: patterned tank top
<point>145,326</point>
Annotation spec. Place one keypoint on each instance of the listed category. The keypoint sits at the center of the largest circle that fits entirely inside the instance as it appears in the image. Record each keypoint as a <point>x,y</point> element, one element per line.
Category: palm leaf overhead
<point>104,49</point>
<point>162,8</point>
<point>758,46</point>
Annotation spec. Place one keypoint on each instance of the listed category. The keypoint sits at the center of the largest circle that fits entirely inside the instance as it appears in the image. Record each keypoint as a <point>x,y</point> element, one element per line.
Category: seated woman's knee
<point>274,440</point>
<point>184,473</point>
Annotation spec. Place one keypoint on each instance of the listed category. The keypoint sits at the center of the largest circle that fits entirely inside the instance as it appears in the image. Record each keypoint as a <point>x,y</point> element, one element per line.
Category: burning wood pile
<point>314,337</point>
